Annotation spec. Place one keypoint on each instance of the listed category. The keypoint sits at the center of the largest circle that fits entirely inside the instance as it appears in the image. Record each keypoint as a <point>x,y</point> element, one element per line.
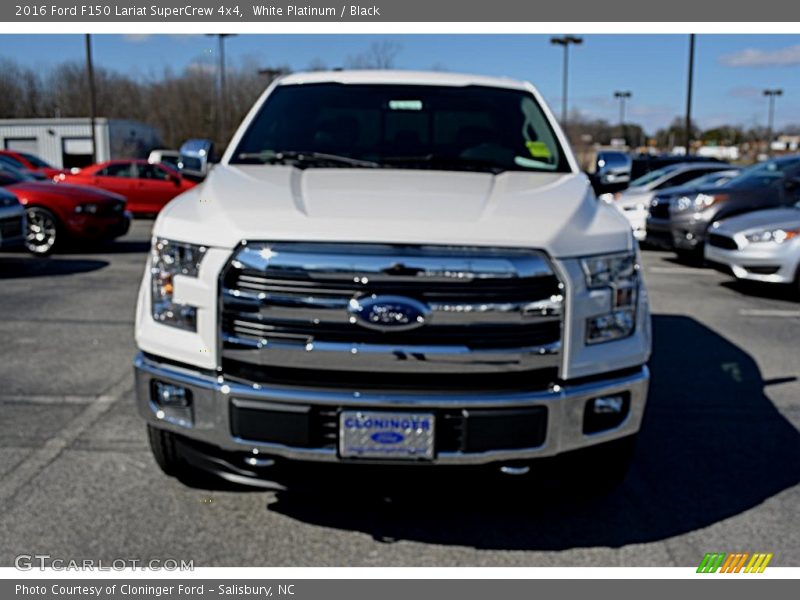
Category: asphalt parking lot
<point>716,468</point>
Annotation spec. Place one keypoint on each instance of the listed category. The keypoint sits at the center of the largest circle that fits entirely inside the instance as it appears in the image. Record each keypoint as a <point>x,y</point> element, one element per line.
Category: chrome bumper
<point>211,398</point>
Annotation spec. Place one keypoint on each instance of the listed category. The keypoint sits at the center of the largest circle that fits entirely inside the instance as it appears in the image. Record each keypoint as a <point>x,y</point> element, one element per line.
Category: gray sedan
<point>760,246</point>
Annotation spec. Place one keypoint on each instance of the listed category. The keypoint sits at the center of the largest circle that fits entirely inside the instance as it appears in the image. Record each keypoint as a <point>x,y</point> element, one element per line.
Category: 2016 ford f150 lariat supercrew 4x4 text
<point>392,268</point>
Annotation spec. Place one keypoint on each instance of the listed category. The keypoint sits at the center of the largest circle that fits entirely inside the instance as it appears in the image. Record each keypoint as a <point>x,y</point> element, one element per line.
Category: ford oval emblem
<point>387,437</point>
<point>388,313</point>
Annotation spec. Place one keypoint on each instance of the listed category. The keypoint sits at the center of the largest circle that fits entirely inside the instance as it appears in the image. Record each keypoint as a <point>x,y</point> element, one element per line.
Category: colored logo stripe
<point>711,562</point>
<point>733,563</point>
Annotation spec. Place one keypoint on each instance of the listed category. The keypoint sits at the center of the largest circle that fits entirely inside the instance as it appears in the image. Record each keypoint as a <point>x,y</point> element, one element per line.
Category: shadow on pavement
<point>15,267</point>
<point>764,290</point>
<point>712,446</point>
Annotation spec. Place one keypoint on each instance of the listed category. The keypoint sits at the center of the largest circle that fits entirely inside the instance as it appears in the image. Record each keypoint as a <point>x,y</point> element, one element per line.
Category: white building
<point>67,143</point>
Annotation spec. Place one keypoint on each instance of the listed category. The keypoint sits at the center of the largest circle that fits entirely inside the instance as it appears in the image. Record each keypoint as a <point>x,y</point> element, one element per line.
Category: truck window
<point>406,126</point>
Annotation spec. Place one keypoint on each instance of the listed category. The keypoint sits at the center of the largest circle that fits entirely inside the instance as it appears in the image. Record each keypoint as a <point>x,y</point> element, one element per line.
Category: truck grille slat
<point>491,312</point>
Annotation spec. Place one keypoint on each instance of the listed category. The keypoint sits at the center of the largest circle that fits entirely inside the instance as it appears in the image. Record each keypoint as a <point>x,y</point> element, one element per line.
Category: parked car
<point>14,164</point>
<point>398,268</point>
<point>12,220</point>
<point>680,223</point>
<point>635,201</point>
<point>763,245</point>
<point>31,162</point>
<point>642,164</point>
<point>146,186</point>
<point>59,212</point>
<point>171,158</point>
<point>611,173</point>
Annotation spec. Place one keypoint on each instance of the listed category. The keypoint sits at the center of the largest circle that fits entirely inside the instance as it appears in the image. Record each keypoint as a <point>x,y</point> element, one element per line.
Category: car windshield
<point>764,174</point>
<point>653,176</point>
<point>36,161</point>
<point>712,179</point>
<point>402,126</point>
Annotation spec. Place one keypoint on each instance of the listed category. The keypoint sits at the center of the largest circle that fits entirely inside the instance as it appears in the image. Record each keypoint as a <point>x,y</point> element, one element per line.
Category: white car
<point>634,202</point>
<point>12,221</point>
<point>763,245</point>
<point>392,268</point>
<point>171,158</point>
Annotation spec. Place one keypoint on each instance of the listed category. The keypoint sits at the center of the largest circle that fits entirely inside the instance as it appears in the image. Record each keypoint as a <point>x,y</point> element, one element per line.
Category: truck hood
<point>553,211</point>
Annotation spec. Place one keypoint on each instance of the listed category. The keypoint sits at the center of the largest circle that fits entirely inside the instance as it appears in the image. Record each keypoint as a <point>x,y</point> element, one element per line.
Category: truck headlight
<point>169,259</point>
<point>618,274</point>
<point>777,235</point>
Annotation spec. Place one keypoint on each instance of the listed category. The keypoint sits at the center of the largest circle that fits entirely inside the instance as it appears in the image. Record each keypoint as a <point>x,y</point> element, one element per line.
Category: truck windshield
<point>402,126</point>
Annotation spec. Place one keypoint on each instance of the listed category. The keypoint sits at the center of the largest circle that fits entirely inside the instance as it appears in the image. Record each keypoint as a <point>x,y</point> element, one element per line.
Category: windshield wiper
<point>440,160</point>
<point>303,158</point>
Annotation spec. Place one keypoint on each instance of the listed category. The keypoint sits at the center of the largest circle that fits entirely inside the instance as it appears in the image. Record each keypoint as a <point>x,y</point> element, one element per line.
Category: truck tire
<point>165,451</point>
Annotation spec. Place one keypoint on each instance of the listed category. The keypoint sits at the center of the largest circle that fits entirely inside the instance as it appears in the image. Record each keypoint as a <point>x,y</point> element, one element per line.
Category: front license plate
<point>389,435</point>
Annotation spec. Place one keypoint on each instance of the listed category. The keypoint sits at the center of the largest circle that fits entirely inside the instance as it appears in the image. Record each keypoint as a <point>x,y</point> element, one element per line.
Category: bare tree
<point>380,55</point>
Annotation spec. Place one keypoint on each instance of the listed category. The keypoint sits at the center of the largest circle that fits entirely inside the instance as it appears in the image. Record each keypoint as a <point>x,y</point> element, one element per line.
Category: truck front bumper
<point>208,417</point>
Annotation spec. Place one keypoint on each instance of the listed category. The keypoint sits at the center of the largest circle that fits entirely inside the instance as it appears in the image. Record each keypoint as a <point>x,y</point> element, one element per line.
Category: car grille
<point>659,209</point>
<point>494,320</point>
<point>11,227</point>
<point>722,241</point>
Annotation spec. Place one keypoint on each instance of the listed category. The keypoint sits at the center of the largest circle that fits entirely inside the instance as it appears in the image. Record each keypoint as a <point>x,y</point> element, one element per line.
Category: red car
<point>148,187</point>
<point>59,212</point>
<point>30,162</point>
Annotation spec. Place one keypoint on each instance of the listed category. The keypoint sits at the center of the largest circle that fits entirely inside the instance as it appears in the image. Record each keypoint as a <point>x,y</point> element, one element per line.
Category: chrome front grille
<point>490,314</point>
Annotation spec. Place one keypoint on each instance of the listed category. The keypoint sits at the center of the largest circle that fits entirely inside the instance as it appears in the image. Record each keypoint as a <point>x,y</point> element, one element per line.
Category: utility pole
<point>92,95</point>
<point>222,91</point>
<point>565,41</point>
<point>688,138</point>
<point>771,94</point>
<point>622,96</point>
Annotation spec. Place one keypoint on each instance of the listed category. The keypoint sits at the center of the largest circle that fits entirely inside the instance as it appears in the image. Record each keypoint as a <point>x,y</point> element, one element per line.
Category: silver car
<point>760,246</point>
<point>635,201</point>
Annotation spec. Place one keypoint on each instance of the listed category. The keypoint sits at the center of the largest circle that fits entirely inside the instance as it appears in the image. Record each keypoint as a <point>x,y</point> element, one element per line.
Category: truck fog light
<point>173,403</point>
<point>605,412</point>
<point>607,404</point>
<point>612,326</point>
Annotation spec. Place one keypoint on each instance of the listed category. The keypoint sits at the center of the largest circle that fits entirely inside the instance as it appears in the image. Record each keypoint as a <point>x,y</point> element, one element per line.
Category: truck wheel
<point>601,468</point>
<point>165,451</point>
<point>42,234</point>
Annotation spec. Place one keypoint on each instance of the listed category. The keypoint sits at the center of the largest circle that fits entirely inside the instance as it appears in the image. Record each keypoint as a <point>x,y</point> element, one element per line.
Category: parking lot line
<point>39,459</point>
<point>43,399</point>
<point>769,312</point>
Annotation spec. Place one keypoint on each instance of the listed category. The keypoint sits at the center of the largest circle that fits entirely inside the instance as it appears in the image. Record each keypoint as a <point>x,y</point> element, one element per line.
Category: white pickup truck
<point>392,268</point>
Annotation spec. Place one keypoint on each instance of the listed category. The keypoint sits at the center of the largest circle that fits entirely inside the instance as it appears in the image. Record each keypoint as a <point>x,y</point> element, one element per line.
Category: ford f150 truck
<point>392,268</point>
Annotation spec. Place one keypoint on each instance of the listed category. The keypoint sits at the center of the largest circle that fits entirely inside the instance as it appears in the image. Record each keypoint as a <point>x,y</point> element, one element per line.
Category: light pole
<point>222,93</point>
<point>689,96</point>
<point>565,41</point>
<point>771,94</point>
<point>622,96</point>
<point>92,95</point>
